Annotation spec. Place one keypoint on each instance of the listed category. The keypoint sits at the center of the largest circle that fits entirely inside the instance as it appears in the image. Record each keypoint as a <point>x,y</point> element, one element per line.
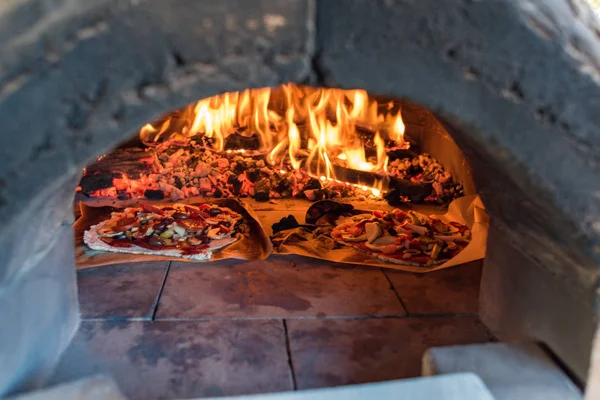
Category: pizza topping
<point>168,234</point>
<point>214,233</point>
<point>408,236</point>
<point>189,229</point>
<point>351,238</point>
<point>435,252</point>
<point>421,230</point>
<point>150,208</point>
<point>194,241</point>
<point>191,224</point>
<point>155,241</point>
<point>214,212</point>
<point>108,232</point>
<point>373,231</point>
<point>179,230</point>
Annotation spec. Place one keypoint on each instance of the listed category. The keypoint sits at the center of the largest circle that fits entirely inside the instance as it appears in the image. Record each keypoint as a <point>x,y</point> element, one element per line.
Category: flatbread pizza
<point>175,230</point>
<point>399,237</point>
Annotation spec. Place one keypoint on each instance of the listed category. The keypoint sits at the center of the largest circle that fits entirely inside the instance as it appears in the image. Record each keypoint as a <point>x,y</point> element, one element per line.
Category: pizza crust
<point>92,239</point>
<point>392,260</point>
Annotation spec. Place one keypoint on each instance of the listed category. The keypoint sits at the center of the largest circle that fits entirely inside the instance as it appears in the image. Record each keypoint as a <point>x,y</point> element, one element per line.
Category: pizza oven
<point>502,94</point>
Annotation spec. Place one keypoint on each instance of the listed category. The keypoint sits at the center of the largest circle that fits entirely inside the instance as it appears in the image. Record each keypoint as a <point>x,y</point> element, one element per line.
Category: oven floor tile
<point>335,352</point>
<point>279,287</point>
<point>181,359</point>
<point>452,290</point>
<point>120,291</point>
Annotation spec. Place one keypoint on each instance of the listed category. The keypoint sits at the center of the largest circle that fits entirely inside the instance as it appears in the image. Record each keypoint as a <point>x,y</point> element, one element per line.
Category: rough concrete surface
<point>517,83</point>
<point>509,370</point>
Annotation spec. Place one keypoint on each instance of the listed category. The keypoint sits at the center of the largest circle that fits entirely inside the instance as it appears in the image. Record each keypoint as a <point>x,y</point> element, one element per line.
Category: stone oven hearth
<point>507,90</point>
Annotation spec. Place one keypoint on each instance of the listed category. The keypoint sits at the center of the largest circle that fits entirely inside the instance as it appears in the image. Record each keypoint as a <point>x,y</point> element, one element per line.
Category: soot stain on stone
<point>109,325</point>
<point>322,333</point>
<point>125,286</point>
<point>87,331</point>
<point>183,354</point>
<point>366,347</point>
<point>329,275</point>
<point>213,391</point>
<point>255,288</point>
<point>331,379</point>
<point>189,357</point>
<point>251,349</point>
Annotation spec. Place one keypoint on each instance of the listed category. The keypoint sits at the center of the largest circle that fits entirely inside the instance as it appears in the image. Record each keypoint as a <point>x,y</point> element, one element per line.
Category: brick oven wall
<point>515,81</point>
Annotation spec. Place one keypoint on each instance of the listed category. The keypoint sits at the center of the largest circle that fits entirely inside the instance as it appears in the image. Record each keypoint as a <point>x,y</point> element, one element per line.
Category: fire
<point>399,128</point>
<point>322,131</point>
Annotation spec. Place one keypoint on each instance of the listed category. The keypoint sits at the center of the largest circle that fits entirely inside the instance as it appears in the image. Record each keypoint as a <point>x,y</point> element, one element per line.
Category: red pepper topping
<point>150,208</point>
<point>125,222</point>
<point>415,244</point>
<point>192,224</point>
<point>117,242</point>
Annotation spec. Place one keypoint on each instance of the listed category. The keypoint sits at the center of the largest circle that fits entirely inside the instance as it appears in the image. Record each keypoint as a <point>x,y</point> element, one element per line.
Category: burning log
<point>262,190</point>
<point>237,141</point>
<point>91,183</point>
<point>131,162</point>
<point>153,194</point>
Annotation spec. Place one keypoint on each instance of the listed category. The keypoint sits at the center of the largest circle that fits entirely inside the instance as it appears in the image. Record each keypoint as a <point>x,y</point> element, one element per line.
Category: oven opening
<point>287,142</point>
<point>412,202</point>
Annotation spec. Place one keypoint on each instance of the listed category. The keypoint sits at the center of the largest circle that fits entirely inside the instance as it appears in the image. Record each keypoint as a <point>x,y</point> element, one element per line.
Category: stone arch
<point>516,82</point>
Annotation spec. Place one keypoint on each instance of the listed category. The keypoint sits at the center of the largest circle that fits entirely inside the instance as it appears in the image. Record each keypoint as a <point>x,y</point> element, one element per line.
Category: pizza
<point>407,238</point>
<point>176,230</point>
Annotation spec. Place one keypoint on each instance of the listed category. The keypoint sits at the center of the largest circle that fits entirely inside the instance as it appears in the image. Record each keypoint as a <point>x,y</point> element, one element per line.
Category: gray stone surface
<point>86,75</point>
<point>281,287</point>
<point>522,300</point>
<point>39,314</point>
<point>592,389</point>
<point>121,291</point>
<point>449,387</point>
<point>509,370</point>
<point>338,352</point>
<point>95,388</point>
<point>166,360</point>
<point>97,76</point>
<point>517,95</point>
<point>78,77</point>
<point>515,82</point>
<point>448,291</point>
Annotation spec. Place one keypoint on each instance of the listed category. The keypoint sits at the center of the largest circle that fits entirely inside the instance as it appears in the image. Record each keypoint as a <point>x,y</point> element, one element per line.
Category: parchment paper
<point>253,245</point>
<point>468,210</point>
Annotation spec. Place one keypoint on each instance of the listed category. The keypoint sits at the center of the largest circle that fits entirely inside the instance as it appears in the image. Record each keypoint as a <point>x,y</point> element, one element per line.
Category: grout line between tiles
<point>310,317</point>
<point>158,296</point>
<point>289,355</point>
<point>279,318</point>
<point>395,292</point>
<point>119,319</point>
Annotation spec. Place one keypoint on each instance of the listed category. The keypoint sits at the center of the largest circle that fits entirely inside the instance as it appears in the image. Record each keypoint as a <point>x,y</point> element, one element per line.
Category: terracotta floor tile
<point>332,352</point>
<point>120,291</point>
<point>277,287</point>
<point>452,290</point>
<point>180,359</point>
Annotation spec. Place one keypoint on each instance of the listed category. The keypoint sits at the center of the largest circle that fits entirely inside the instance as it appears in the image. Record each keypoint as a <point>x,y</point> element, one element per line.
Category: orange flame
<point>315,128</point>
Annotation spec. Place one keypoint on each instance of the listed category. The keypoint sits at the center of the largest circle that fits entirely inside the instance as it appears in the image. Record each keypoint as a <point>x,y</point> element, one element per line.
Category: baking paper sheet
<point>468,210</point>
<point>252,246</point>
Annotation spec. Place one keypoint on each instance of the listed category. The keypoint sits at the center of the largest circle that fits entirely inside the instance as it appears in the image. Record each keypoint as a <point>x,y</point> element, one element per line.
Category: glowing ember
<point>313,129</point>
<point>271,143</point>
